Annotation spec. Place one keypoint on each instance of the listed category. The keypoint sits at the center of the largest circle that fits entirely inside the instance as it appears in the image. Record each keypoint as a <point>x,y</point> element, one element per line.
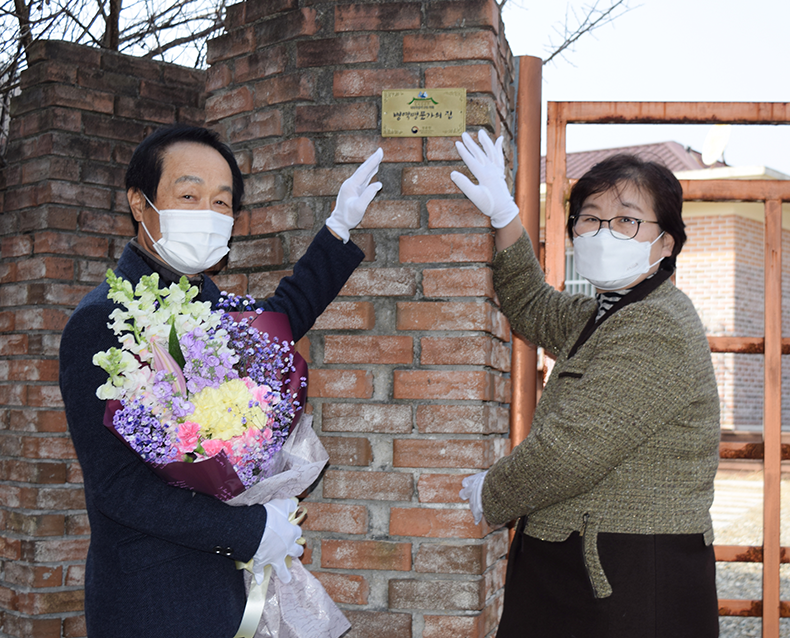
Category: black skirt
<point>663,586</point>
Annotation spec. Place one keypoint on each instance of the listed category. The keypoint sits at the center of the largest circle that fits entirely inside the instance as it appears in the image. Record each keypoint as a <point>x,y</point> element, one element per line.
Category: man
<point>162,559</point>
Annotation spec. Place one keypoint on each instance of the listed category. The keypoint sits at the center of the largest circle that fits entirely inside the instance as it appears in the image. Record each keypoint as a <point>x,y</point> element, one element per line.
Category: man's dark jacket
<point>161,558</point>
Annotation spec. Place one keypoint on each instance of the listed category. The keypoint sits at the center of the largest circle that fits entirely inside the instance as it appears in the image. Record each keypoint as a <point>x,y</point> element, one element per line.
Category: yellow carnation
<point>226,411</point>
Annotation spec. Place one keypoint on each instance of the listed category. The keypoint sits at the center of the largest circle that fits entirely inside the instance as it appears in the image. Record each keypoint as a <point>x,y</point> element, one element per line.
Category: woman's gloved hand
<point>491,194</point>
<point>279,540</point>
<point>472,491</point>
<point>354,196</point>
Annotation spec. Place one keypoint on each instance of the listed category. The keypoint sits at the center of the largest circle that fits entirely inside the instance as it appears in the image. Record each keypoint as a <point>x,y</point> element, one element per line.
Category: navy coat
<point>161,558</point>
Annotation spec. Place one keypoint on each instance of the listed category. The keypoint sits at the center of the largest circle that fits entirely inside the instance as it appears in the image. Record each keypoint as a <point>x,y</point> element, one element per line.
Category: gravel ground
<point>737,520</point>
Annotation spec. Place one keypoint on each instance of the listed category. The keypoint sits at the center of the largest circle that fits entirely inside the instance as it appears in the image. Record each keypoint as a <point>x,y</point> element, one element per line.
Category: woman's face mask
<point>192,240</point>
<point>609,262</point>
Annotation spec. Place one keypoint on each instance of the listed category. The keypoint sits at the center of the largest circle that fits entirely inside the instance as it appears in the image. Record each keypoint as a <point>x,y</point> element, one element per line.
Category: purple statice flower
<point>168,397</point>
<point>204,365</point>
<point>162,387</point>
<point>144,433</point>
<point>181,407</point>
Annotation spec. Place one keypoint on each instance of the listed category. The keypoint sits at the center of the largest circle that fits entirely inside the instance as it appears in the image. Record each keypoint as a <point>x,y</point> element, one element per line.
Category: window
<point>574,283</point>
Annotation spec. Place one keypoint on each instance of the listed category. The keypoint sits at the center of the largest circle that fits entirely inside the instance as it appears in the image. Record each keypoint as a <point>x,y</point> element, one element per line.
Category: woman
<point>614,483</point>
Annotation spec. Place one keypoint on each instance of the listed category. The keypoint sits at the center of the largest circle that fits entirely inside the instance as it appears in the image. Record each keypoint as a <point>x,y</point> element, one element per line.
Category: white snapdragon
<point>147,314</point>
<point>119,364</point>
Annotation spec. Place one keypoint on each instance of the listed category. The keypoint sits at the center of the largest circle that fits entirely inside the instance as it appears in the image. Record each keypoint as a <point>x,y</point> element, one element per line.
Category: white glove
<point>491,194</point>
<point>354,196</point>
<point>473,492</point>
<point>278,541</point>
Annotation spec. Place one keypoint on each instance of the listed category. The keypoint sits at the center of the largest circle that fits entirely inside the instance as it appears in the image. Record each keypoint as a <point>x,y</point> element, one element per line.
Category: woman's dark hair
<point>145,167</point>
<point>651,178</point>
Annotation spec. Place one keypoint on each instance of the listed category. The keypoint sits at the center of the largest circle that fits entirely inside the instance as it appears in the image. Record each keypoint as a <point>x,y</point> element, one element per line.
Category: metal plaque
<point>423,112</point>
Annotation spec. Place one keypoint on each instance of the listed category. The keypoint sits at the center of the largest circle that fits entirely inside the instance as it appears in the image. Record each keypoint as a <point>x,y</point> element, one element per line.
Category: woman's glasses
<point>621,227</point>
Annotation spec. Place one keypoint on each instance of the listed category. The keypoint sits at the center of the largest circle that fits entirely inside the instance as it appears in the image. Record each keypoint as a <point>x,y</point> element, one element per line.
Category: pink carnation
<point>249,438</point>
<point>263,395</point>
<point>187,434</point>
<point>215,446</point>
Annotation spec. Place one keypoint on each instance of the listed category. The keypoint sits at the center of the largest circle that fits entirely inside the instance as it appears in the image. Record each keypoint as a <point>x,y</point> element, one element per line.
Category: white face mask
<point>192,240</point>
<point>609,263</point>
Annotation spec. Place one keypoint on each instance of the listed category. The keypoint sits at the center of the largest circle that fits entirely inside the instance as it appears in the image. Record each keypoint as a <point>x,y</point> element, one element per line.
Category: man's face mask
<point>192,240</point>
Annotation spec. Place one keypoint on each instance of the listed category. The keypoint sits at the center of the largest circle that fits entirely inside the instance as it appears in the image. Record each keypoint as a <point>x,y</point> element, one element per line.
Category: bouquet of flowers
<point>211,401</point>
<point>190,384</point>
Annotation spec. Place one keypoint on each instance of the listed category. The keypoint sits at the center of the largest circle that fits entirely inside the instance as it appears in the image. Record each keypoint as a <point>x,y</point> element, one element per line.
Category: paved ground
<point>737,520</point>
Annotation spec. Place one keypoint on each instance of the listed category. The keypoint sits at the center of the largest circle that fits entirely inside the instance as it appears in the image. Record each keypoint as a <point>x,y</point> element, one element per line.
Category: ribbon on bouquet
<point>256,598</point>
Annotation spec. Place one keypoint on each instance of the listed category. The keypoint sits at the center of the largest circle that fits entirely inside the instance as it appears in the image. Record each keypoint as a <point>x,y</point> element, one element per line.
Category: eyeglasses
<point>621,227</point>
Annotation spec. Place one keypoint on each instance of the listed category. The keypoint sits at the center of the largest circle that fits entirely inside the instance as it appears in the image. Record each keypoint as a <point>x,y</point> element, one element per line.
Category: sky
<point>666,51</point>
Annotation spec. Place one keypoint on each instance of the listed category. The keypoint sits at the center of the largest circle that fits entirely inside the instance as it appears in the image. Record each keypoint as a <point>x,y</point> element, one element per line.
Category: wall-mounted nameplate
<point>423,112</point>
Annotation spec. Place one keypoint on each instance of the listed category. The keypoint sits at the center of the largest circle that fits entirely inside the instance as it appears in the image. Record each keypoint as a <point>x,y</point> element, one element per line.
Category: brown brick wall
<point>63,221</point>
<point>409,366</point>
<point>721,268</point>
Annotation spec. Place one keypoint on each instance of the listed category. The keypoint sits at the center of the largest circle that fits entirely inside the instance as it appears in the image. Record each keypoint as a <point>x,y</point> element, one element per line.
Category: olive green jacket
<point>625,436</point>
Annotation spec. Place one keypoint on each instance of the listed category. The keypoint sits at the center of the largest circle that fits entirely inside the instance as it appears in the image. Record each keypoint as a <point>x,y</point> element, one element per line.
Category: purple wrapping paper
<point>215,476</point>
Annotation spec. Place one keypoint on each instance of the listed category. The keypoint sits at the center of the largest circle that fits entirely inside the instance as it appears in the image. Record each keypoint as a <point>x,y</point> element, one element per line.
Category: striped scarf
<point>606,300</point>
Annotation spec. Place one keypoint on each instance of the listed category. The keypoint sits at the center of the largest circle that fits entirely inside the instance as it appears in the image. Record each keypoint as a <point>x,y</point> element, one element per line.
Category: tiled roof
<point>674,156</point>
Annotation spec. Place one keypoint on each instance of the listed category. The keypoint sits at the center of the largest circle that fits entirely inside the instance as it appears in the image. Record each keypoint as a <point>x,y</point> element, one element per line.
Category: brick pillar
<point>409,384</point>
<point>64,220</point>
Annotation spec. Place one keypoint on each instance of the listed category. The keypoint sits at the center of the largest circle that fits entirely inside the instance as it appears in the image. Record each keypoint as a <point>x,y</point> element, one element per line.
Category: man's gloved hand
<point>472,491</point>
<point>491,194</point>
<point>278,541</point>
<point>354,196</point>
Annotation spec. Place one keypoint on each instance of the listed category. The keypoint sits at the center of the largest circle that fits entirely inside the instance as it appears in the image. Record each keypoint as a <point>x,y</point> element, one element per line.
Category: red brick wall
<point>63,221</point>
<point>408,383</point>
<point>722,269</point>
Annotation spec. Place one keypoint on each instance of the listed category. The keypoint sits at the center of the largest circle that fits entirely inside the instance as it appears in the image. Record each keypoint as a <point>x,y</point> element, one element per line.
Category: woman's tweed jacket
<point>625,436</point>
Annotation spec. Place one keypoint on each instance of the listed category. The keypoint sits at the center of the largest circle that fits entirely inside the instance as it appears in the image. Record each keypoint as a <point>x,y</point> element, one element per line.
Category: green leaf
<point>175,348</point>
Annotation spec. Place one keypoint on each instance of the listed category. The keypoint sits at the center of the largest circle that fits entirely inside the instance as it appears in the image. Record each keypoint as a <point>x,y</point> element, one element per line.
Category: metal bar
<point>741,608</point>
<point>749,608</point>
<point>729,190</point>
<point>746,554</point>
<point>556,194</point>
<point>772,417</point>
<point>743,345</point>
<point>748,450</point>
<point>724,190</point>
<point>754,450</point>
<point>675,112</point>
<point>524,363</point>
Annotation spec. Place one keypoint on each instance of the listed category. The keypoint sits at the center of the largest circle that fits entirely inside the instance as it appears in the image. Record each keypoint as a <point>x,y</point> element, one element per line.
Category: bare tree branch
<point>594,18</point>
<point>22,12</point>
<point>112,30</point>
<point>170,30</point>
<point>181,41</point>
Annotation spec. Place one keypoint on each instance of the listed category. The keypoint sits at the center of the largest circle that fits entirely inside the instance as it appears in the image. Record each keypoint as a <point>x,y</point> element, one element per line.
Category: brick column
<point>64,220</point>
<point>409,384</point>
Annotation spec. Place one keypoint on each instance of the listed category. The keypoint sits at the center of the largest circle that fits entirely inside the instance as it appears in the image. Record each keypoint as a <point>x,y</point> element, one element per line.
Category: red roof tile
<point>674,156</point>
